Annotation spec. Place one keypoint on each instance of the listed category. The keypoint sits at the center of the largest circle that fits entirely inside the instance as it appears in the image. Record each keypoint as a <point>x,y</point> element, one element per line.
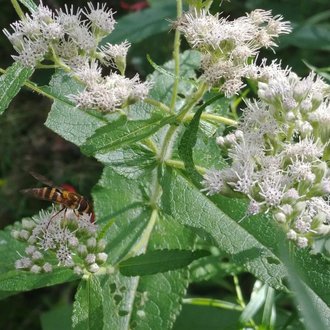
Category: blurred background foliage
<point>26,144</point>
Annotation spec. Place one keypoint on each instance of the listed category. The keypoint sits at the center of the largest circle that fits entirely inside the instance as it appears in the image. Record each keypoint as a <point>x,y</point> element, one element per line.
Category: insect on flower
<point>67,198</point>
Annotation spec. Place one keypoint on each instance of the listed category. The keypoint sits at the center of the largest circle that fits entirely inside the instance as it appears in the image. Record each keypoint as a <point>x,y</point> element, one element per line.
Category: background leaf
<point>143,24</point>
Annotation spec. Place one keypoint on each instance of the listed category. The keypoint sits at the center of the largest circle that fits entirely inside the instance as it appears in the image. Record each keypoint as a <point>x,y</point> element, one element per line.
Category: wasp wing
<point>45,180</point>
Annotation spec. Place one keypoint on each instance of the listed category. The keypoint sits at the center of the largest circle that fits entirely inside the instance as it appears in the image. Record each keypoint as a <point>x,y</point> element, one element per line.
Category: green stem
<point>213,117</point>
<point>142,243</point>
<point>240,298</point>
<point>157,104</point>
<point>166,149</point>
<point>176,56</point>
<point>18,9</point>
<point>180,165</point>
<point>192,101</point>
<point>212,303</point>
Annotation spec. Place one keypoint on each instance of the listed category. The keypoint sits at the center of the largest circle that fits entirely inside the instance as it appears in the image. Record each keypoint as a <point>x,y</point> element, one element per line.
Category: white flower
<point>100,18</point>
<point>307,149</point>
<point>63,234</point>
<point>213,182</point>
<point>115,55</point>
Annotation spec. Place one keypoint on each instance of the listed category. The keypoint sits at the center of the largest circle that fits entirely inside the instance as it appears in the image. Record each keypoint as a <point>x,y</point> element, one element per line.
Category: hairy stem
<point>213,303</point>
<point>176,56</point>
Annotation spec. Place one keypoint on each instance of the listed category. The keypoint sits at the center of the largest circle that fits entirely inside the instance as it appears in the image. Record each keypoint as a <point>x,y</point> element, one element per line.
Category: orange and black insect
<point>68,199</point>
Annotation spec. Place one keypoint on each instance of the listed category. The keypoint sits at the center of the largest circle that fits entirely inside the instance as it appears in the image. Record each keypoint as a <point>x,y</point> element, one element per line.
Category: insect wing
<point>45,180</point>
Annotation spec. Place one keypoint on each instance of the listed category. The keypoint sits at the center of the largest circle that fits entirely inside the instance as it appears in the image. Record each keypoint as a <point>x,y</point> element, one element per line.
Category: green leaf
<point>159,261</point>
<point>73,124</point>
<point>310,37</point>
<point>163,81</point>
<point>29,4</point>
<point>253,243</point>
<point>143,24</point>
<point>138,302</point>
<point>189,140</point>
<point>11,82</point>
<point>17,280</point>
<point>114,136</point>
<point>132,162</point>
<point>255,303</point>
<point>88,305</point>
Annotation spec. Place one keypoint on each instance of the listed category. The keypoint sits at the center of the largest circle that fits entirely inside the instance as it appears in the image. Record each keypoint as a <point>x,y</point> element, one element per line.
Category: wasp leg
<point>63,208</point>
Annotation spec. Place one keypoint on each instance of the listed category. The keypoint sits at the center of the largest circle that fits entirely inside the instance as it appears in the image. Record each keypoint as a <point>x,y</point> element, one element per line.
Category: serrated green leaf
<point>153,301</point>
<point>189,140</point>
<point>29,4</point>
<point>17,280</point>
<point>143,24</point>
<point>253,243</point>
<point>73,124</point>
<point>111,137</point>
<point>132,162</point>
<point>88,305</point>
<point>159,261</point>
<point>138,302</point>
<point>11,82</point>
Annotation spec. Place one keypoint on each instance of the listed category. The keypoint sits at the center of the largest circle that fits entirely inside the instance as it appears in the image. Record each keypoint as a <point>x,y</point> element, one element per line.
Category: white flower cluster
<point>70,40</point>
<point>228,46</point>
<point>279,153</point>
<point>70,238</point>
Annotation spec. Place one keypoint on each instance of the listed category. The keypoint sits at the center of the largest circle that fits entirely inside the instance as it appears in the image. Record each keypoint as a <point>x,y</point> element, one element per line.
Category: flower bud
<point>291,235</point>
<point>35,269</point>
<point>280,217</point>
<point>90,258</point>
<point>47,267</point>
<point>82,250</point>
<point>91,243</point>
<point>101,244</point>
<point>302,242</point>
<point>28,224</point>
<point>101,257</point>
<point>93,268</point>
<point>24,234</point>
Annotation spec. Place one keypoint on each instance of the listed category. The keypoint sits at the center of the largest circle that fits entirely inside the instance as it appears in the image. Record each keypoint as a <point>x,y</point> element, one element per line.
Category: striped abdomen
<point>68,199</point>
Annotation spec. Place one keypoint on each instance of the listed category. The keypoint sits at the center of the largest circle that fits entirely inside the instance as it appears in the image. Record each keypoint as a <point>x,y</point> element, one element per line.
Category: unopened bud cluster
<point>280,152</point>
<point>227,47</point>
<point>70,40</point>
<point>60,239</point>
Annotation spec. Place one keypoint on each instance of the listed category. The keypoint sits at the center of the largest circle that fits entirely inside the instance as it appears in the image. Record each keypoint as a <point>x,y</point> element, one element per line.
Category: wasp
<point>68,199</point>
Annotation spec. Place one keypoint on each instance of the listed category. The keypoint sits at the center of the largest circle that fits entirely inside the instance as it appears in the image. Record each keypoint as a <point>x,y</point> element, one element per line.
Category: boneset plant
<point>176,188</point>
